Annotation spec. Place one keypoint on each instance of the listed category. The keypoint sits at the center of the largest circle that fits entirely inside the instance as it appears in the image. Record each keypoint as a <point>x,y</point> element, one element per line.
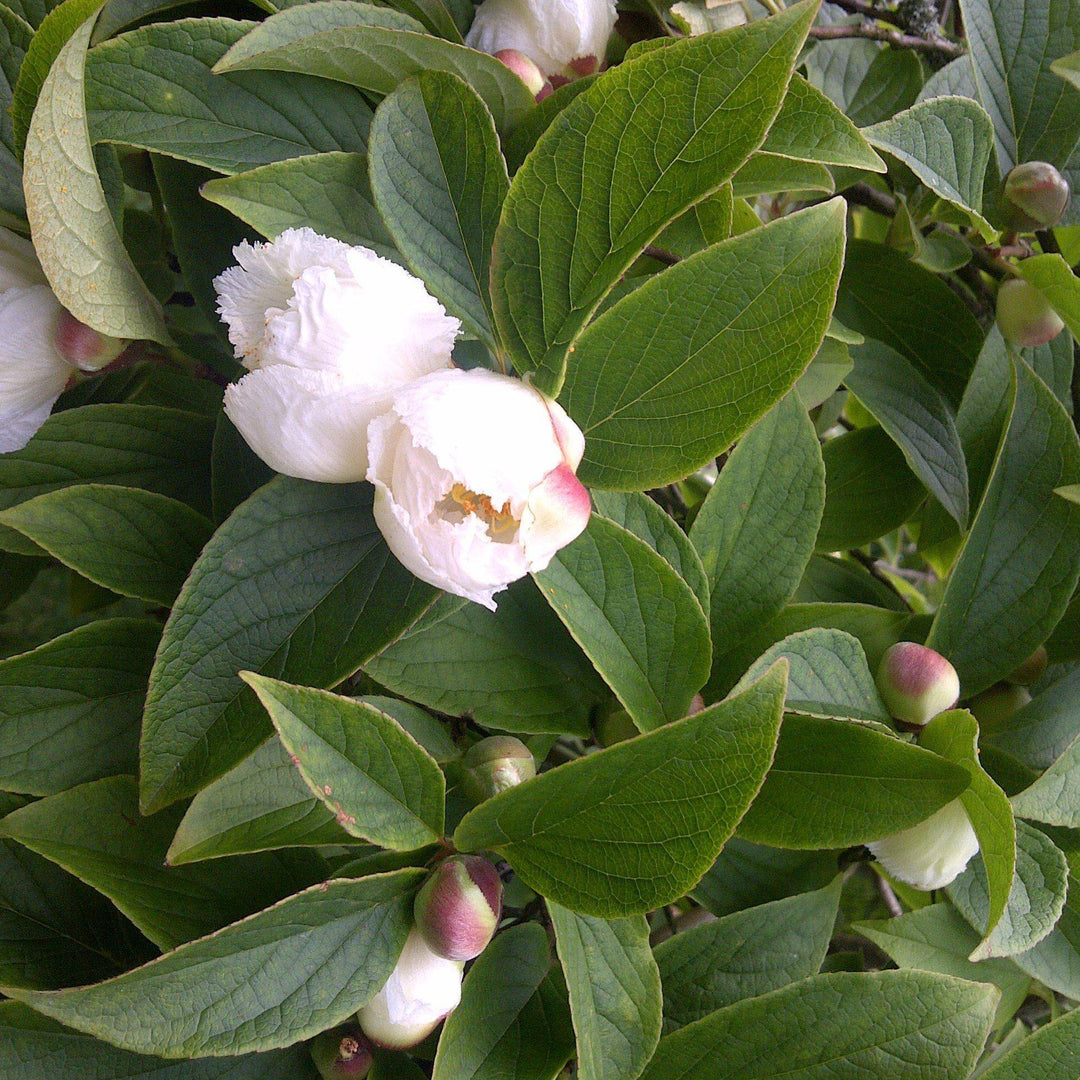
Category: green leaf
<point>1035,902</point>
<point>955,736</point>
<point>946,142</point>
<point>1041,731</point>
<point>73,230</point>
<point>266,982</point>
<point>1054,278</point>
<point>615,995</point>
<point>611,849</point>
<point>1055,797</point>
<point>1022,555</point>
<point>635,618</point>
<point>745,954</point>
<point>755,530</point>
<point>153,87</point>
<point>136,543</point>
<point>838,581</point>
<point>439,182</point>
<point>605,177</point>
<point>260,805</point>
<point>375,50</point>
<point>32,1047</point>
<point>1068,67</point>
<point>936,938</point>
<point>95,832</point>
<point>835,783</point>
<point>298,584</point>
<point>512,1020</point>
<point>70,709</point>
<point>809,127</point>
<point>879,294</point>
<point>918,420</point>
<point>716,342</point>
<point>869,489</point>
<point>1053,1050</point>
<point>515,669</point>
<point>639,514</point>
<point>15,37</point>
<point>892,82</point>
<point>875,627</point>
<point>1013,46</point>
<point>829,676</point>
<point>770,174</point>
<point>380,783</point>
<point>831,1026</point>
<point>329,193</point>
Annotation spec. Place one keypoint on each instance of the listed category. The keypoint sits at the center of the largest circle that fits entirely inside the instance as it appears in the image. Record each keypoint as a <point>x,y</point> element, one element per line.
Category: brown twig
<point>871,32</point>
<point>864,195</point>
<point>660,255</point>
<point>861,7</point>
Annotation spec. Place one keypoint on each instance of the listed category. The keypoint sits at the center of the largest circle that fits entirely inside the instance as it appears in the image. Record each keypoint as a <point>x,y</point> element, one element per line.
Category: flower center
<point>459,502</point>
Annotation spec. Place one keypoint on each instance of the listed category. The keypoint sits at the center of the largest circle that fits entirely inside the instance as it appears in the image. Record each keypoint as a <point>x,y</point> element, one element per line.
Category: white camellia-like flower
<point>933,853</point>
<point>421,990</point>
<point>41,344</point>
<point>552,33</point>
<point>474,480</point>
<point>328,333</point>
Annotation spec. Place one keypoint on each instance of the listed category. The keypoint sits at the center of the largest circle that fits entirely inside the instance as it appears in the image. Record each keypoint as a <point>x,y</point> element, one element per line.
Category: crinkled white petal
<point>550,32</point>
<point>32,373</point>
<point>19,266</point>
<point>933,853</point>
<point>307,424</point>
<point>421,990</point>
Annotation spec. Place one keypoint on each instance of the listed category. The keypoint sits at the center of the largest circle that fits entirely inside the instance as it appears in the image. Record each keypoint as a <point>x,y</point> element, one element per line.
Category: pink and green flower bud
<point>84,347</point>
<point>458,908</point>
<point>993,708</point>
<point>495,764</point>
<point>1036,195</point>
<point>526,70</point>
<point>1025,316</point>
<point>916,683</point>
<point>1031,670</point>
<point>343,1053</point>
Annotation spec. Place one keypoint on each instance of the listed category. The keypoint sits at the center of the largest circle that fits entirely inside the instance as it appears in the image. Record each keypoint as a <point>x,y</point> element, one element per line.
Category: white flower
<point>552,33</point>
<point>933,853</point>
<point>328,332</point>
<point>421,990</point>
<point>474,480</point>
<point>41,345</point>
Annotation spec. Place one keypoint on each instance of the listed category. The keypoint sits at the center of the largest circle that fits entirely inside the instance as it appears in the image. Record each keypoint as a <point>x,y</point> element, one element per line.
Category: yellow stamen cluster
<point>499,521</point>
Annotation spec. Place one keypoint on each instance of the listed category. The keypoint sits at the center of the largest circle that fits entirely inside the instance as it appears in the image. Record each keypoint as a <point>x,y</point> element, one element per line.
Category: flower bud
<point>342,1054</point>
<point>526,71</point>
<point>916,683</point>
<point>457,910</point>
<point>421,990</point>
<point>83,346</point>
<point>1036,195</point>
<point>933,853</point>
<point>994,707</point>
<point>1025,316</point>
<point>1031,670</point>
<point>495,764</point>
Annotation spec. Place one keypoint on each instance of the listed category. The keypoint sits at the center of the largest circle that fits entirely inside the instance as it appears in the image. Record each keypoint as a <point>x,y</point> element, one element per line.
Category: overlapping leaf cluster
<point>756,267</point>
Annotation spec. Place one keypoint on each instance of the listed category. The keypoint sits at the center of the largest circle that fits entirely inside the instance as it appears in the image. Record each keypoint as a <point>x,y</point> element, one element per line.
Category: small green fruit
<point>343,1053</point>
<point>916,683</point>
<point>495,764</point>
<point>1036,196</point>
<point>1025,316</point>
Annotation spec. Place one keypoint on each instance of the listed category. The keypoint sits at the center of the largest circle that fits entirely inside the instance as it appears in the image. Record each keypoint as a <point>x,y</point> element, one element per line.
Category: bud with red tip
<point>343,1053</point>
<point>994,707</point>
<point>526,71</point>
<point>496,764</point>
<point>83,346</point>
<point>1036,195</point>
<point>1031,670</point>
<point>916,683</point>
<point>1025,316</point>
<point>459,906</point>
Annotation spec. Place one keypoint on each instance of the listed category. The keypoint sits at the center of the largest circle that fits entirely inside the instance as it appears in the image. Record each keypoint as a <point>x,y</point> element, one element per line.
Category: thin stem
<point>864,195</point>
<point>871,32</point>
<point>861,7</point>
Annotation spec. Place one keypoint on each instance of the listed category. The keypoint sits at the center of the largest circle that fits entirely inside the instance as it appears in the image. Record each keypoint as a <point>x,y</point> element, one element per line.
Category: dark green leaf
<point>832,580</point>
<point>892,82</point>
<point>1041,731</point>
<point>1055,797</point>
<point>297,583</point>
<point>283,975</point>
<point>615,995</point>
<point>1053,1050</point>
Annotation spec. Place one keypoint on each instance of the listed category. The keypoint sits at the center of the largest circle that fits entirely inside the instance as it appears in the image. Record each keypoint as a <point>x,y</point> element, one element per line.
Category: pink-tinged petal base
<point>557,513</point>
<point>525,70</point>
<point>83,346</point>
